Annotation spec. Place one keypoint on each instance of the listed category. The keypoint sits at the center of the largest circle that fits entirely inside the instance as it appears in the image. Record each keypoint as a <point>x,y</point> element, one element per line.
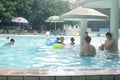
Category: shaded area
<point>6,26</point>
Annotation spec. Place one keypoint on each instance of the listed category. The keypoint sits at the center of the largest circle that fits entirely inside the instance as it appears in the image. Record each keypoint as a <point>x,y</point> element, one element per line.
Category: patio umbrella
<point>84,13</point>
<point>19,20</point>
<point>54,19</point>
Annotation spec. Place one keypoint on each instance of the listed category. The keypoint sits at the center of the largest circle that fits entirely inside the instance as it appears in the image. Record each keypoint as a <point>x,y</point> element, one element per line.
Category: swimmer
<point>72,41</point>
<point>110,45</point>
<point>61,40</point>
<point>12,41</point>
<point>8,38</point>
<point>87,49</point>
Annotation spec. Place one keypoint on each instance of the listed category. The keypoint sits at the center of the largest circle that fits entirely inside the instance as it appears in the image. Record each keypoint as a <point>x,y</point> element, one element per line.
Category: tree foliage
<point>35,11</point>
<point>7,10</point>
<point>43,9</point>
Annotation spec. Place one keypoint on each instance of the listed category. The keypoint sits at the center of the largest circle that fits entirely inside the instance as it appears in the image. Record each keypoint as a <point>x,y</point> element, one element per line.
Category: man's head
<point>12,40</point>
<point>72,39</point>
<point>108,35</point>
<point>88,39</point>
<point>62,39</point>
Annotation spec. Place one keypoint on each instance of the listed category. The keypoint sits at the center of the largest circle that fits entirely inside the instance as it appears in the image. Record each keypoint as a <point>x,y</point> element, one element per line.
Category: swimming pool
<point>32,52</point>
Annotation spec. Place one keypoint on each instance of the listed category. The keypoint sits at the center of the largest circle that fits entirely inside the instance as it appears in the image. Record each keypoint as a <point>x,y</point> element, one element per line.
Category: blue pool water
<point>32,52</point>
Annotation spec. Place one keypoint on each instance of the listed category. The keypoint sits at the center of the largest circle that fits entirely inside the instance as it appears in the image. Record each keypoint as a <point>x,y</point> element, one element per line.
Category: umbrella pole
<point>55,28</point>
<point>19,25</point>
<point>19,28</point>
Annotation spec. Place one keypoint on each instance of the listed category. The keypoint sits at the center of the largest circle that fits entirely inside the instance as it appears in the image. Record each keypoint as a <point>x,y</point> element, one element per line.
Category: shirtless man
<point>110,45</point>
<point>87,49</point>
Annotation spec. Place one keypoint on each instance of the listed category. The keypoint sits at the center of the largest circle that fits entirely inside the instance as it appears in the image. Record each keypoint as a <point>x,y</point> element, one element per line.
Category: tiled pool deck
<point>59,74</point>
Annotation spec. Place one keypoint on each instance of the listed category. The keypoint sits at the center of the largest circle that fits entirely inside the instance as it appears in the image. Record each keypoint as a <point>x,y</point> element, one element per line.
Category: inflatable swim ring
<point>58,46</point>
<point>50,42</point>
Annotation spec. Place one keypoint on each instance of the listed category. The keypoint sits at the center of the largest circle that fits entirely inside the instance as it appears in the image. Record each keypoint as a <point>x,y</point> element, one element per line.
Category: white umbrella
<point>19,20</point>
<point>84,13</point>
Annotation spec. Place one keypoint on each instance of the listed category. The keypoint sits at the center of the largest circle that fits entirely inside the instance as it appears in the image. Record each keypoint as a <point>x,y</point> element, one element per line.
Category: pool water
<point>32,52</point>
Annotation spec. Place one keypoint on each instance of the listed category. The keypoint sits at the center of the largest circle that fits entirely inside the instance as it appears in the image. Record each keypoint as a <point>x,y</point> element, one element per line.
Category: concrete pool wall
<point>59,74</point>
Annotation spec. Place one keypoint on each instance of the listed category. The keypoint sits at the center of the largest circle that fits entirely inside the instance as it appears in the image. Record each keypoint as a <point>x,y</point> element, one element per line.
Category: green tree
<point>42,9</point>
<point>35,11</point>
<point>6,10</point>
<point>23,8</point>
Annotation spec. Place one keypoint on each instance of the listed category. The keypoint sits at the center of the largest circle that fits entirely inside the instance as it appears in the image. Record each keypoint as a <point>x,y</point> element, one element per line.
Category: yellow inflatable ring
<point>58,46</point>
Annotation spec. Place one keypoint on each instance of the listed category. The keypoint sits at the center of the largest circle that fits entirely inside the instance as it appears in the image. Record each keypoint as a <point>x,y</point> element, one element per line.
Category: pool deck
<point>59,74</point>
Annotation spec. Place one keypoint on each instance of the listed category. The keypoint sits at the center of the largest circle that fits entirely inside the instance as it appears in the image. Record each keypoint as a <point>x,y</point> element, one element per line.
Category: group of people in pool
<point>87,49</point>
<point>61,40</point>
<point>110,46</point>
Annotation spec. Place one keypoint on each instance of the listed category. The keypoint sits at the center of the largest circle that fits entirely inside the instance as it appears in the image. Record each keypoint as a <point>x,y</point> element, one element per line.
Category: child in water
<point>72,41</point>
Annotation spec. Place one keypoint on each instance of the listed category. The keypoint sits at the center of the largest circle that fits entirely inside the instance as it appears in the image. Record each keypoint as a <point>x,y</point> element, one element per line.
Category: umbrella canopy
<point>84,13</point>
<point>54,19</point>
<point>19,20</point>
